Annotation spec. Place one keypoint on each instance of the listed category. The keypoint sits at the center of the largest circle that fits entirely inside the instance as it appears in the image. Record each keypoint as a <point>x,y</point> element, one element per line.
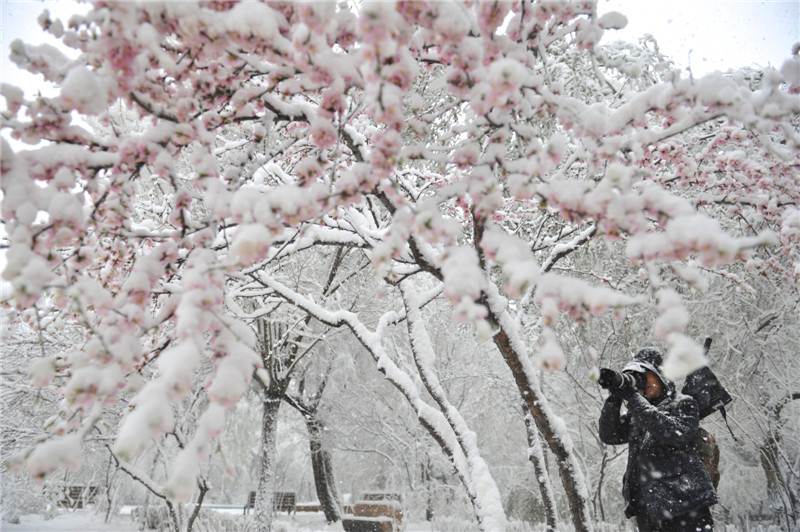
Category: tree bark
<point>266,471</point>
<point>778,486</point>
<point>481,488</point>
<point>426,481</point>
<point>536,456</point>
<point>537,406</point>
<point>324,480</point>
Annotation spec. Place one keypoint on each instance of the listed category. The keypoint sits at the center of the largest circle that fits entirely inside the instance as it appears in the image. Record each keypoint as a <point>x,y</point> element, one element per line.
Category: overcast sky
<point>709,35</point>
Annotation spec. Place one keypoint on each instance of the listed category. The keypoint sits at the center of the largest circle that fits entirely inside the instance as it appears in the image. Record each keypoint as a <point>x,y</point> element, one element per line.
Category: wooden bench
<point>282,501</point>
<point>390,509</point>
<point>308,507</point>
<point>251,502</point>
<point>379,513</point>
<point>77,496</point>
<point>381,496</point>
<point>368,524</point>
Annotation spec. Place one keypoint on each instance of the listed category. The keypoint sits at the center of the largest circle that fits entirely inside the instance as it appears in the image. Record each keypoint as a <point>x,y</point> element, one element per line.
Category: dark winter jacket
<point>665,476</point>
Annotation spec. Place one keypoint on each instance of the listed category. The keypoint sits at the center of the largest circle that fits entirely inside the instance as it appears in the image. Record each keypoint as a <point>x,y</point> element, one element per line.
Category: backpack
<point>708,451</point>
<point>711,396</point>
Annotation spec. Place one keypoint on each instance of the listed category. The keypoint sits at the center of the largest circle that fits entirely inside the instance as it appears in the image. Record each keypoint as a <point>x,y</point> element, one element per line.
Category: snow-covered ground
<point>79,521</point>
<point>87,521</point>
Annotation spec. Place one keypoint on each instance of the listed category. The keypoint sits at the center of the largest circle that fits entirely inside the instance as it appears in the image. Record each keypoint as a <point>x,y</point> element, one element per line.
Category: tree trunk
<point>266,472</point>
<point>324,480</point>
<point>549,425</point>
<point>478,481</point>
<point>778,486</point>
<point>536,456</point>
<point>426,481</point>
<point>546,421</point>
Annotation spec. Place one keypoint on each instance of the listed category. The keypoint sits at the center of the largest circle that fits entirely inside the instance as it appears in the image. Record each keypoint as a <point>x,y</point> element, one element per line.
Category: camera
<point>610,379</point>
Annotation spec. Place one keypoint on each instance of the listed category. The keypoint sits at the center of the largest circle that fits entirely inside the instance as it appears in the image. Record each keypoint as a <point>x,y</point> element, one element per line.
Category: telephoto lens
<point>610,379</point>
<point>636,379</point>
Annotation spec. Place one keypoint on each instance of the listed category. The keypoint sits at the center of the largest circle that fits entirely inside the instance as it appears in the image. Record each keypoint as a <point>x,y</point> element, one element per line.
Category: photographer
<point>665,484</point>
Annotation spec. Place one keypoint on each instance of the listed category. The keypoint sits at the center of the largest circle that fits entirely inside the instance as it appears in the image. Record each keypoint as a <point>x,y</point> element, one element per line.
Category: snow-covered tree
<point>471,154</point>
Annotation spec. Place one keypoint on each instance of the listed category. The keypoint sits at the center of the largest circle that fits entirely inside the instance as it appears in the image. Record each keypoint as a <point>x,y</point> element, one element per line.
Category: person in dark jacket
<point>665,486</point>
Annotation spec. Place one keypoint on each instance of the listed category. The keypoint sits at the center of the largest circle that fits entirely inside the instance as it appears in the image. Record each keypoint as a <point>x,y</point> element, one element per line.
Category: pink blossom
<point>323,133</point>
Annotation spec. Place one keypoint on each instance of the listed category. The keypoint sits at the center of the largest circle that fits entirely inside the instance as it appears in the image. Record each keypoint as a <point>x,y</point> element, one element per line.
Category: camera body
<point>611,380</point>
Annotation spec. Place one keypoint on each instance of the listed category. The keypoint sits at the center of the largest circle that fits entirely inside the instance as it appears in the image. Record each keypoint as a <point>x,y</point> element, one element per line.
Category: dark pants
<point>694,521</point>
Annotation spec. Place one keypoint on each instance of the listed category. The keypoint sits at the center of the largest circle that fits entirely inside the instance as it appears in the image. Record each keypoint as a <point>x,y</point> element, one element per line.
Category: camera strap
<point>725,418</point>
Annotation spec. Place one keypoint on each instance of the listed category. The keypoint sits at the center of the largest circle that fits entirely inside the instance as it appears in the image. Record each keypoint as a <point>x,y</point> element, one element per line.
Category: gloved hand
<point>608,378</point>
<point>626,392</point>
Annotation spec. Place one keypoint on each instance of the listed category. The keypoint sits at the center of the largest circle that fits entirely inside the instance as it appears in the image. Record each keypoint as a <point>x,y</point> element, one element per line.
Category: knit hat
<point>649,355</point>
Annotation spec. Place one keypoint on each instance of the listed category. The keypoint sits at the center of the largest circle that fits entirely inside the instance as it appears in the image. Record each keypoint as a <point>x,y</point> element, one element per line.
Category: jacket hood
<point>650,359</point>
